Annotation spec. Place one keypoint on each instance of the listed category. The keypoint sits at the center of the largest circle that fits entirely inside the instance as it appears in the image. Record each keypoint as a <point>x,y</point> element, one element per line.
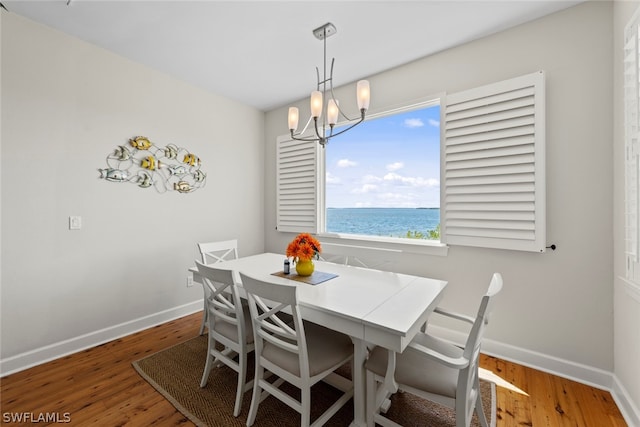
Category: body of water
<point>389,222</point>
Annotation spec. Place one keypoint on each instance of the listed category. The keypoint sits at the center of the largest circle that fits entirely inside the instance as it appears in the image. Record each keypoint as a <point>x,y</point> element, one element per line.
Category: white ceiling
<point>263,53</point>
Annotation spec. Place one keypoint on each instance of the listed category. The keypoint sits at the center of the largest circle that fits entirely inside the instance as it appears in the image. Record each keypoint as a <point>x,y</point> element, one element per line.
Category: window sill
<point>390,244</point>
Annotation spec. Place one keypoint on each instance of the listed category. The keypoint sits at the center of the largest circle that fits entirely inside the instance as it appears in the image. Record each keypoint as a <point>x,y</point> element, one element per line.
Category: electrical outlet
<point>189,281</point>
<point>75,222</point>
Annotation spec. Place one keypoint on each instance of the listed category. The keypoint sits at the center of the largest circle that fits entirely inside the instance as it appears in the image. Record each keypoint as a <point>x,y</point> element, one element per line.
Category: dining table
<point>373,307</point>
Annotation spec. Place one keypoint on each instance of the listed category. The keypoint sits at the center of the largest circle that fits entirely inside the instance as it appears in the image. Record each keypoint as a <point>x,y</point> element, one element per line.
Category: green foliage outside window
<point>429,235</point>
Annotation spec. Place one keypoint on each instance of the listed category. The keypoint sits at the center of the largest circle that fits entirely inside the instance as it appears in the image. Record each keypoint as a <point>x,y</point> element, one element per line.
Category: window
<point>382,178</point>
<point>492,178</point>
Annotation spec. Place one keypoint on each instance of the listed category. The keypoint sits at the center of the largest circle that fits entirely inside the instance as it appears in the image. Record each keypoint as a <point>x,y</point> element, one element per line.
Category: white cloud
<point>371,179</point>
<point>366,204</point>
<point>398,200</point>
<point>392,197</point>
<point>412,181</point>
<point>346,163</point>
<point>366,188</point>
<point>332,179</point>
<point>413,123</point>
<point>395,166</point>
<point>434,123</point>
<point>392,176</point>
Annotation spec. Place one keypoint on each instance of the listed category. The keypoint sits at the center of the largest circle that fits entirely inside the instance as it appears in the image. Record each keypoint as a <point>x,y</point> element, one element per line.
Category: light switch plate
<point>75,222</point>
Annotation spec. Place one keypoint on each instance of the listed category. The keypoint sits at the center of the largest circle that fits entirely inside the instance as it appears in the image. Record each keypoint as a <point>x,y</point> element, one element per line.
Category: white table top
<point>379,307</point>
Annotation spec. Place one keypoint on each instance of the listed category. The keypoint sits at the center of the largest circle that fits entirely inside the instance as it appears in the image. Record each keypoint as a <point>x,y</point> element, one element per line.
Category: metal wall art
<point>168,168</point>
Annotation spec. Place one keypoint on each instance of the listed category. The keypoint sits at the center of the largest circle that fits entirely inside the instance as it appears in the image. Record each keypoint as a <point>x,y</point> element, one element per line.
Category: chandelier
<point>325,111</point>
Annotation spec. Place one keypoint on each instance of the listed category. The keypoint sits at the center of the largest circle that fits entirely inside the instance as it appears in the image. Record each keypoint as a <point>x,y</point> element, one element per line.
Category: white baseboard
<point>41,355</point>
<point>630,411</point>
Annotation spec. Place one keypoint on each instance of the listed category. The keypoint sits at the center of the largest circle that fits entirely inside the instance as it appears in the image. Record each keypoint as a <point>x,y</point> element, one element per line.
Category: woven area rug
<point>176,374</point>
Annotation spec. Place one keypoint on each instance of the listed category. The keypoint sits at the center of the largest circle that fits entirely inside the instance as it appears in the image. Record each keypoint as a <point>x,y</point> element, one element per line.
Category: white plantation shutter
<point>632,148</point>
<point>493,192</point>
<point>297,186</point>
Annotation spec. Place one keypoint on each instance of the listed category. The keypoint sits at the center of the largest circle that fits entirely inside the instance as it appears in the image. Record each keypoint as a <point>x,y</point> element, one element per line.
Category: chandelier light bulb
<point>332,111</point>
<point>363,94</point>
<point>293,118</point>
<point>316,104</point>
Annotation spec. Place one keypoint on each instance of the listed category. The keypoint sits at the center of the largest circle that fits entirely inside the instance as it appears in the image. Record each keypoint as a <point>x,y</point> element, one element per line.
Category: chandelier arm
<point>319,136</point>
<point>333,96</point>
<point>324,140</point>
<point>297,136</point>
<point>315,125</point>
<point>305,126</point>
<point>333,60</point>
<point>350,127</point>
<point>340,109</point>
<point>307,139</point>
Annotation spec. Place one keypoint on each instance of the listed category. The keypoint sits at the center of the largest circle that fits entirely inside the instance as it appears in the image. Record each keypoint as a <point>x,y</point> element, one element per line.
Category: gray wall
<point>557,307</point>
<point>66,105</point>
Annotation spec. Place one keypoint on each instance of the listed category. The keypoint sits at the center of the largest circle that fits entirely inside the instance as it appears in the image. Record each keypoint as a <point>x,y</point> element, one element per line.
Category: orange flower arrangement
<point>303,248</point>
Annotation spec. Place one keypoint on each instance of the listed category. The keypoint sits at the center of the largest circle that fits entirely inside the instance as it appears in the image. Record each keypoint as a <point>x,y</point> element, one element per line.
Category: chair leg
<point>305,400</point>
<point>463,418</point>
<point>370,407</point>
<point>209,364</point>
<point>207,370</point>
<point>242,378</point>
<point>256,395</point>
<point>482,419</point>
<point>204,319</point>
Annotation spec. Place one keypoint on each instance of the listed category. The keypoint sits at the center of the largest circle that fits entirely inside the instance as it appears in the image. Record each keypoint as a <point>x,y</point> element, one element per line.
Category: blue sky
<point>392,161</point>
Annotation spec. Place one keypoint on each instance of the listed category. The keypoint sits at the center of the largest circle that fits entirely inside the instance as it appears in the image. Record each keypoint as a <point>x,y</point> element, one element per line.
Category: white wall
<point>556,311</point>
<point>626,303</point>
<point>66,105</point>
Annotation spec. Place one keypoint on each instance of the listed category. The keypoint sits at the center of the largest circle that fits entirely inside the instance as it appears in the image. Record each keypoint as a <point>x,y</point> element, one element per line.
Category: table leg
<point>359,386</point>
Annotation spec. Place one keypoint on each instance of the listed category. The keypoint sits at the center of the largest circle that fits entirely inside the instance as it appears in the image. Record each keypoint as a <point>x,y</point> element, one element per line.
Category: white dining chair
<point>300,353</point>
<point>213,253</point>
<point>433,369</point>
<point>230,325</point>
<point>368,257</point>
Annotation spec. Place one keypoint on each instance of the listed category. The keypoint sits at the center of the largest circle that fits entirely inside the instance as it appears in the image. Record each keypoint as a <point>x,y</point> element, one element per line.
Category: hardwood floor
<point>527,397</point>
<point>100,387</point>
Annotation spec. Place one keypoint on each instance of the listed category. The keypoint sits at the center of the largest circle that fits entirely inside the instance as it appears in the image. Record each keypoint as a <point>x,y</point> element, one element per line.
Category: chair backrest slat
<point>223,301</point>
<point>214,252</point>
<point>268,300</point>
<point>472,346</point>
